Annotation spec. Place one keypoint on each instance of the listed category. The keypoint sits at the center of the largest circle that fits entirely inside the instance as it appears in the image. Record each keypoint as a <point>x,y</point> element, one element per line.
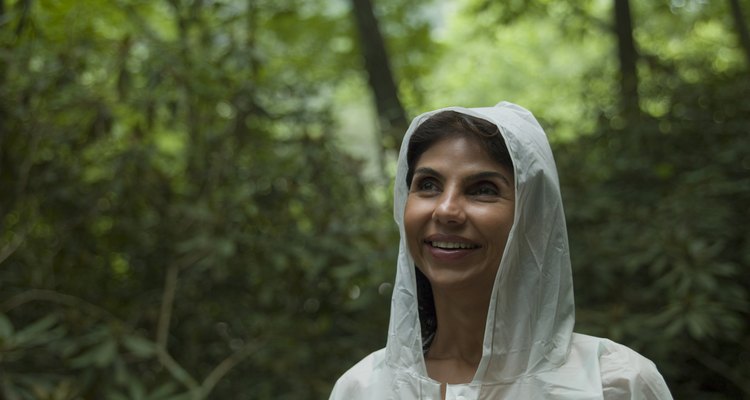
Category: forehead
<point>458,152</point>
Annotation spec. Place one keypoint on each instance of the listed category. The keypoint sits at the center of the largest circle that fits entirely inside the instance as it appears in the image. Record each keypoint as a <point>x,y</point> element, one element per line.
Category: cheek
<point>414,219</point>
<point>409,219</point>
<point>504,233</point>
<point>497,224</point>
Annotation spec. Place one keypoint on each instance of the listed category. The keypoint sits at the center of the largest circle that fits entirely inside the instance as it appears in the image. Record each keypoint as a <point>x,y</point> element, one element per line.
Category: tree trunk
<point>3,72</point>
<point>741,26</point>
<point>391,115</point>
<point>3,45</point>
<point>25,6</point>
<point>628,57</point>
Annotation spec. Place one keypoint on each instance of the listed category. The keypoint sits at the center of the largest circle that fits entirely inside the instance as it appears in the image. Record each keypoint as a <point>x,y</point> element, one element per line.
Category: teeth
<point>451,245</point>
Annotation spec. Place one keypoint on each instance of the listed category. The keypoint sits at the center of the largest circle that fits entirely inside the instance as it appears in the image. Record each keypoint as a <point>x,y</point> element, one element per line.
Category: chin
<point>449,278</point>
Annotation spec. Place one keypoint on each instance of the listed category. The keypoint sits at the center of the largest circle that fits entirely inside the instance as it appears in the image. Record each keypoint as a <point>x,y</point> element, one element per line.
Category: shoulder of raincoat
<point>530,350</point>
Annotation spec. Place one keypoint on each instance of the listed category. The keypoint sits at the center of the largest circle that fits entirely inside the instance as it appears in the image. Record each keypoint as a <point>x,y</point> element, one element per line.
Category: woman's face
<point>458,214</point>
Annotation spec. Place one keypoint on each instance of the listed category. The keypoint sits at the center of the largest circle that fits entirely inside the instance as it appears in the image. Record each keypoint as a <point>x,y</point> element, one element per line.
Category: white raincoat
<point>530,351</point>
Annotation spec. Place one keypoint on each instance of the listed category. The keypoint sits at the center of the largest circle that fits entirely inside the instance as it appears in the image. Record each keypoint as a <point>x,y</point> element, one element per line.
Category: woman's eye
<point>485,189</point>
<point>426,185</point>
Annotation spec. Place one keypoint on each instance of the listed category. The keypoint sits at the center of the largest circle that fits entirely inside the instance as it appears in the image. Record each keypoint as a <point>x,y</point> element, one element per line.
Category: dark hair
<point>438,126</point>
<point>450,123</point>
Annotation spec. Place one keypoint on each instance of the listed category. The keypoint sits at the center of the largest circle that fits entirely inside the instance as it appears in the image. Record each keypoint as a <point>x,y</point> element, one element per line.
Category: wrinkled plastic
<point>530,350</point>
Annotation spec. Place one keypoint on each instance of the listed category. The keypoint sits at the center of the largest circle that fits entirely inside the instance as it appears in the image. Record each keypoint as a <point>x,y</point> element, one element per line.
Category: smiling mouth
<point>452,245</point>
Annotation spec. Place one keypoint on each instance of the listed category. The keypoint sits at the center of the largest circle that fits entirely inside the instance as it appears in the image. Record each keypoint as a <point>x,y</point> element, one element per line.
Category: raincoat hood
<point>529,349</point>
<point>531,312</point>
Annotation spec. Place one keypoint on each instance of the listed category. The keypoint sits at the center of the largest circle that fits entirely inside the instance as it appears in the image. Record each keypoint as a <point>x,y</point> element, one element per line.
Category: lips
<point>450,242</point>
<point>449,248</point>
<point>452,245</point>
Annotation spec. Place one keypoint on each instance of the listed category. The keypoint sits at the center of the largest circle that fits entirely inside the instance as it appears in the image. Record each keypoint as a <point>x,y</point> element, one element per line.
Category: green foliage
<point>657,214</point>
<point>178,221</point>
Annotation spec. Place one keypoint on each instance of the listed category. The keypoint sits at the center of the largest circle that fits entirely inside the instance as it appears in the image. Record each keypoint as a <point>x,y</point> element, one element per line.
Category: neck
<point>461,316</point>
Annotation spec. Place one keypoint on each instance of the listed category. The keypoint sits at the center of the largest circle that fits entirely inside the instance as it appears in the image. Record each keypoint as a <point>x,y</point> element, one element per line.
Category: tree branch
<point>628,58</point>
<point>5,391</point>
<point>225,366</point>
<point>167,304</point>
<point>8,249</point>
<point>721,368</point>
<point>168,295</point>
<point>176,370</point>
<point>56,297</point>
<point>391,115</point>
<point>741,26</point>
<point>165,316</point>
<point>25,6</point>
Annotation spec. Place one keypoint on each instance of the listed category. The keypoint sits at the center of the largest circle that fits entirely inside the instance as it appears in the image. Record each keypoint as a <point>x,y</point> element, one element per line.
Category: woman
<point>483,307</point>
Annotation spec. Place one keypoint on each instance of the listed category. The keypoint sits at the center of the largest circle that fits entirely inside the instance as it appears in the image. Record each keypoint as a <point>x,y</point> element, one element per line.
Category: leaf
<point>98,356</point>
<point>113,395</point>
<point>136,390</point>
<point>6,330</point>
<point>37,331</point>
<point>139,346</point>
<point>163,392</point>
<point>106,353</point>
<point>695,325</point>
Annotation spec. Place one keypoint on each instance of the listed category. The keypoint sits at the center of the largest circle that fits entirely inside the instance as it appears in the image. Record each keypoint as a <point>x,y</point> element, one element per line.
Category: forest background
<point>195,199</point>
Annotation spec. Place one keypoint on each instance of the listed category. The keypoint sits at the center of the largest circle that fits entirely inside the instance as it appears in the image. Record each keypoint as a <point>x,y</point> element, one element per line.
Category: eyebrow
<point>473,177</point>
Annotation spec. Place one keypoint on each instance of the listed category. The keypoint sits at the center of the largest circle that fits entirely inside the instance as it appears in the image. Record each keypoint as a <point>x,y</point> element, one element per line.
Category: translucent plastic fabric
<point>530,350</point>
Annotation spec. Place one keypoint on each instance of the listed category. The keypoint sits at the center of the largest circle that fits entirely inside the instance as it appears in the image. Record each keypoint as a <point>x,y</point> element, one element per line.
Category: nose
<point>449,209</point>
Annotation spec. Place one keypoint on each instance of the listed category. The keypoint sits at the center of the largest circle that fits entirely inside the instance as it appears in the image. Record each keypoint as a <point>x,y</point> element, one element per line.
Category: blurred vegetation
<point>192,196</point>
